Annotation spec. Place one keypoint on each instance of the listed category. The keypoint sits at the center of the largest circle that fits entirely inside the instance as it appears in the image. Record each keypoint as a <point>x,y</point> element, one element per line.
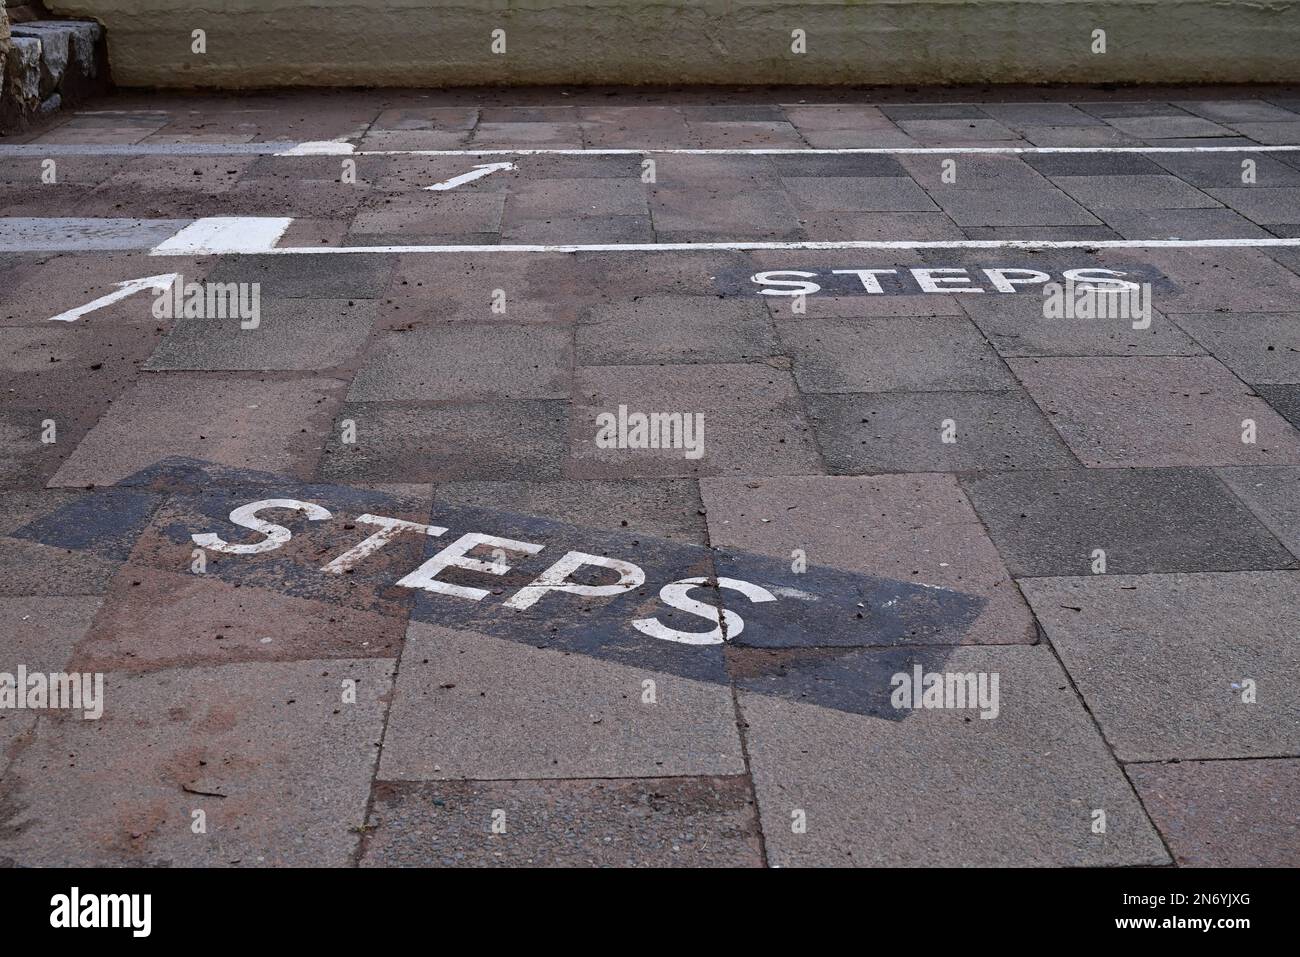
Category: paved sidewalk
<point>824,537</point>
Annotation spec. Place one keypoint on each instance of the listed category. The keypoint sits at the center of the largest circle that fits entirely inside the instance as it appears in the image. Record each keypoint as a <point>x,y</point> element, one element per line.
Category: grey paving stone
<point>469,706</point>
<point>293,763</point>
<point>29,567</point>
<point>943,787</point>
<point>867,193</point>
<point>667,508</point>
<point>448,442</point>
<point>1038,233</point>
<point>1161,659</point>
<point>72,234</point>
<point>1134,192</point>
<point>1259,347</point>
<point>579,229</point>
<point>904,528</point>
<point>1181,224</point>
<point>727,134</point>
<point>933,111</point>
<point>292,334</point>
<point>1021,115</point>
<point>533,288</point>
<point>930,354</point>
<point>1271,134</point>
<point>458,362</point>
<point>1015,325</point>
<point>1263,204</point>
<point>973,171</point>
<point>866,165</point>
<point>652,822</point>
<point>855,226</point>
<point>1231,280</point>
<point>1233,112</point>
<point>1124,108</point>
<point>40,635</point>
<point>1273,494</point>
<point>1092,164</point>
<point>1145,520</point>
<point>1225,169</point>
<point>355,276</point>
<point>1156,411</point>
<point>1011,207</point>
<point>505,135</point>
<point>943,132</point>
<point>724,207</point>
<point>902,432</point>
<point>241,422</point>
<point>880,138</point>
<point>586,196</point>
<point>1055,136</point>
<point>1224,813</point>
<point>431,214</point>
<point>1166,127</point>
<point>675,329</point>
<point>753,422</point>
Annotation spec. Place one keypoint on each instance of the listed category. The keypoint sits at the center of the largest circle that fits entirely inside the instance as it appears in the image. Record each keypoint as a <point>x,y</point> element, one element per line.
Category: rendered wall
<point>447,42</point>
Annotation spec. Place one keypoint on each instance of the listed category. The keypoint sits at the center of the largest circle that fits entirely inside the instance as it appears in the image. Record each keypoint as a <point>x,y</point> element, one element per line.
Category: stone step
<point>48,63</point>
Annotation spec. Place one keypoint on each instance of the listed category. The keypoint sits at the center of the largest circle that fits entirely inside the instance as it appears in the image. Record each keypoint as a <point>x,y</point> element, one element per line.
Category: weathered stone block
<point>24,71</point>
<point>54,53</point>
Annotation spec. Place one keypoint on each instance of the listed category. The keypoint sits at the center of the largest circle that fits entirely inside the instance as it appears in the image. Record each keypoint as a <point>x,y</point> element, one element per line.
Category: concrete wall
<point>447,42</point>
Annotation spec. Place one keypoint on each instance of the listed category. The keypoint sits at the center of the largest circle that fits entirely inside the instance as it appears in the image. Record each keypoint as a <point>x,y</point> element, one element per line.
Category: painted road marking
<point>73,234</point>
<point>225,234</point>
<point>619,596</point>
<point>125,289</point>
<point>339,148</point>
<point>478,172</point>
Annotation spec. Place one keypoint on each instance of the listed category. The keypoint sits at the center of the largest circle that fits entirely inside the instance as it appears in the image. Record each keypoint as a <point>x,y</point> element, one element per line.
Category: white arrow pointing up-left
<point>124,289</point>
<point>478,172</point>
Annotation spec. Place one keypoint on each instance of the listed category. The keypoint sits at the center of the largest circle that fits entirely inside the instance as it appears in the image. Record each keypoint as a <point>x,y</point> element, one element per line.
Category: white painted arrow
<point>124,289</point>
<point>478,172</point>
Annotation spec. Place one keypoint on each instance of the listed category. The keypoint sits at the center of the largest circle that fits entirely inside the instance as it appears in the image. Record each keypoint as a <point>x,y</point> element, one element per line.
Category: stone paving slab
<point>918,354</point>
<point>469,706</point>
<point>1273,495</point>
<point>1016,327</point>
<point>1257,347</point>
<point>39,634</point>
<point>753,423</point>
<point>1154,411</point>
<point>471,383</point>
<point>1163,660</point>
<point>915,528</point>
<point>291,762</point>
<point>945,787</point>
<point>1144,520</point>
<point>650,822</point>
<point>672,329</point>
<point>448,442</point>
<point>465,363</point>
<point>291,335</point>
<point>1224,813</point>
<point>240,422</point>
<point>910,432</point>
<point>32,568</point>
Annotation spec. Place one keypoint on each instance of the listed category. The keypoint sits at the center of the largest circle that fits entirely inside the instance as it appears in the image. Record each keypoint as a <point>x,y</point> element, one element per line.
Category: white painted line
<point>744,245</point>
<point>124,289</point>
<point>320,148</point>
<point>845,151</point>
<point>478,172</point>
<point>342,148</point>
<point>225,234</point>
